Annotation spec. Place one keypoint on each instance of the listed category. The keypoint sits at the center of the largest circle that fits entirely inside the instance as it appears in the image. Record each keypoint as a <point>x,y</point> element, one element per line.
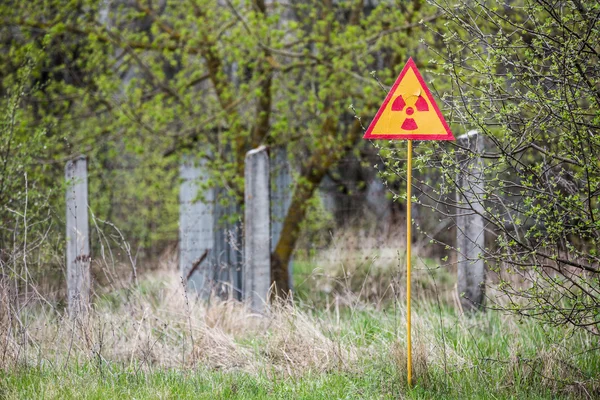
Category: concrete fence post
<point>470,223</point>
<point>78,239</point>
<point>257,229</point>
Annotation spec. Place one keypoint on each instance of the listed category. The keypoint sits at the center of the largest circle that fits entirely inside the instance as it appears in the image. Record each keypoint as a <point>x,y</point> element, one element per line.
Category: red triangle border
<point>447,136</point>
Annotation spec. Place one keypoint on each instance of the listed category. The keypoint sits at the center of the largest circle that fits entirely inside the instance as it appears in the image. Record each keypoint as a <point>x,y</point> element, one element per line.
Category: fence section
<point>281,196</point>
<point>196,229</point>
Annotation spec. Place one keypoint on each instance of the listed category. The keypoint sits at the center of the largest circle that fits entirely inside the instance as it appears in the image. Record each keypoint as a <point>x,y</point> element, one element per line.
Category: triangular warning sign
<point>409,111</point>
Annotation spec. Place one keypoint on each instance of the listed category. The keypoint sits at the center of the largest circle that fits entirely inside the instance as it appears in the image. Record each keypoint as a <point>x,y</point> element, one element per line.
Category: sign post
<point>409,112</point>
<point>408,260</point>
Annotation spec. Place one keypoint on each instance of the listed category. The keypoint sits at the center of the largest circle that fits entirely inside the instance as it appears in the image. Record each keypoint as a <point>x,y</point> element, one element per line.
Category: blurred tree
<point>134,84</point>
<point>27,190</point>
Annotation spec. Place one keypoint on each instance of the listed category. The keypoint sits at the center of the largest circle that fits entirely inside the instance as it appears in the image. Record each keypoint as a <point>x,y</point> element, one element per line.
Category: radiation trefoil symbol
<point>409,111</point>
<point>420,104</point>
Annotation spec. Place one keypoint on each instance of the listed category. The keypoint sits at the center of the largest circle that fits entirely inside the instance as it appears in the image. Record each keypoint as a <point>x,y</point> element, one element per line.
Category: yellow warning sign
<point>409,111</point>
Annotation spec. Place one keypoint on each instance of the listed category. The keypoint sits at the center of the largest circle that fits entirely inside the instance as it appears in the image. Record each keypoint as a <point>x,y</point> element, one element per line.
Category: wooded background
<point>138,86</point>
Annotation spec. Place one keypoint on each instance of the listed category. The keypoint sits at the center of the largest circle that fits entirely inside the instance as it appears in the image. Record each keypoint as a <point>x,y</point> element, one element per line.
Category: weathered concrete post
<point>469,222</point>
<point>78,239</point>
<point>257,229</point>
<point>196,229</point>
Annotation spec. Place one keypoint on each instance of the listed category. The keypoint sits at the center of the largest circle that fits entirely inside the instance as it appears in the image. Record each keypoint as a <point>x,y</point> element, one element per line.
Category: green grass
<point>87,383</point>
<point>486,357</point>
<point>90,383</point>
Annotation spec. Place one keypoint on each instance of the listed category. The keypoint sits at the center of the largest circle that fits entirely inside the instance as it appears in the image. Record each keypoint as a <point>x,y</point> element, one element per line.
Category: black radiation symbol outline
<point>399,104</point>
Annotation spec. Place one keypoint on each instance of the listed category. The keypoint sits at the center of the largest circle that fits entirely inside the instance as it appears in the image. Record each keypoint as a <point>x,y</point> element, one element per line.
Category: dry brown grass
<point>366,269</point>
<point>159,324</point>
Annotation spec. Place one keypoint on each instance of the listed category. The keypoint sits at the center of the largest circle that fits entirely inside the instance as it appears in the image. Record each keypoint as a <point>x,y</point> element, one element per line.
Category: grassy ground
<point>343,339</point>
<point>485,357</point>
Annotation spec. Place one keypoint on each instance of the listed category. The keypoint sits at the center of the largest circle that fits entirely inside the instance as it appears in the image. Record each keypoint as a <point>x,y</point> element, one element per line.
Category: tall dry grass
<point>357,323</point>
<point>159,324</point>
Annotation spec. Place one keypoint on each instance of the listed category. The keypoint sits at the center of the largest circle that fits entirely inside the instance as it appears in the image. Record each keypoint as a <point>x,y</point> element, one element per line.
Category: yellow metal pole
<point>408,256</point>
